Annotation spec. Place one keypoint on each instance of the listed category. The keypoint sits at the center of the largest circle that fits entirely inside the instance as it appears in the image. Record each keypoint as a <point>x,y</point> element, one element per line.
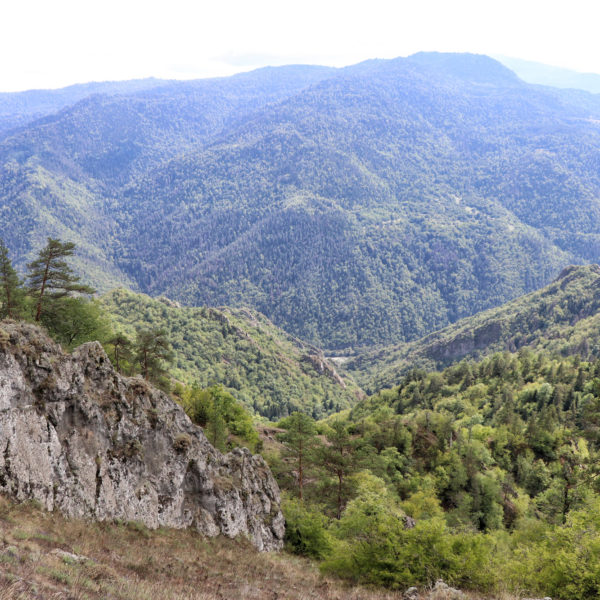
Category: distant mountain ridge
<point>562,318</point>
<point>354,207</point>
<point>541,74</point>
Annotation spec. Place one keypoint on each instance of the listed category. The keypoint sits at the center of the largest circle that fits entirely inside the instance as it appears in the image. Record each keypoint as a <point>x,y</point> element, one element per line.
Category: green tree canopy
<point>12,295</point>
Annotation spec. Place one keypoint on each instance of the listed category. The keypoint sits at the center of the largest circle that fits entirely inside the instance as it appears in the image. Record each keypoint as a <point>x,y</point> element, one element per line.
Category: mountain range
<point>354,207</point>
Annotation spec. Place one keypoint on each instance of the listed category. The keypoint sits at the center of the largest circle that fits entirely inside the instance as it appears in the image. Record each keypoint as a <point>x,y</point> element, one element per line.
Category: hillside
<point>128,562</point>
<point>260,364</point>
<point>17,109</point>
<point>354,207</point>
<point>562,319</point>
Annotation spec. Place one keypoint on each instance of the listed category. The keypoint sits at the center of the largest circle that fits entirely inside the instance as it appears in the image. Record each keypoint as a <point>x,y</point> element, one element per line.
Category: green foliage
<point>120,351</point>
<point>268,370</point>
<point>73,321</point>
<point>305,530</point>
<point>562,319</point>
<point>12,295</point>
<point>301,443</point>
<point>152,353</point>
<point>382,224</point>
<point>484,474</point>
<point>224,419</point>
<point>50,278</point>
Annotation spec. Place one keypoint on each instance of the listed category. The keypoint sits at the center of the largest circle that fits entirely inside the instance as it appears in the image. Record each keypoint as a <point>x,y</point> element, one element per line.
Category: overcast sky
<point>53,43</point>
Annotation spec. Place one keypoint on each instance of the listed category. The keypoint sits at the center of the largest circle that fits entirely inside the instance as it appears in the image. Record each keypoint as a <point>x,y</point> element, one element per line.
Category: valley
<point>345,315</point>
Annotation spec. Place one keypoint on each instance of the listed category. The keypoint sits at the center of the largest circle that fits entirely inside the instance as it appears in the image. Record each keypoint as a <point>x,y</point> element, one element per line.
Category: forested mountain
<point>20,108</point>
<point>263,367</point>
<point>357,206</point>
<point>562,319</point>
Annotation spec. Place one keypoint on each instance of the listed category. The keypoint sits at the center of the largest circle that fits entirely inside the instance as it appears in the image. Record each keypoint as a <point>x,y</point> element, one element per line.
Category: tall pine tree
<point>300,441</point>
<point>51,278</point>
<point>153,350</point>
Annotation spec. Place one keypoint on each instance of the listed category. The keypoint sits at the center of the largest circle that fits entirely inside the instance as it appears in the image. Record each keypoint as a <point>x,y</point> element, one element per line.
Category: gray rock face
<point>79,438</point>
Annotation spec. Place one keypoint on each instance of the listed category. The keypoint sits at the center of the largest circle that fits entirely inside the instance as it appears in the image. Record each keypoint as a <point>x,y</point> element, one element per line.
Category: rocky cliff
<point>79,438</point>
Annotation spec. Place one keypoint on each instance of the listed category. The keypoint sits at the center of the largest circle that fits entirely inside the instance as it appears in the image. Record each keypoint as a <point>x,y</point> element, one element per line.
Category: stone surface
<point>443,590</point>
<point>412,593</point>
<point>79,438</point>
<point>69,557</point>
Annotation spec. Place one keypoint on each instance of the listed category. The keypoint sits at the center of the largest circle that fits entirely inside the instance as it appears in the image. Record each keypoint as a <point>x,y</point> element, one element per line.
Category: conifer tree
<point>300,441</point>
<point>51,278</point>
<point>121,350</point>
<point>11,293</point>
<point>339,458</point>
<point>153,350</point>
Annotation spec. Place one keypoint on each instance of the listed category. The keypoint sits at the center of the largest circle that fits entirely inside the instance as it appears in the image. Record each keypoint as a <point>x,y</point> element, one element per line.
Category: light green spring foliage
<point>496,462</point>
<point>263,367</point>
<point>225,421</point>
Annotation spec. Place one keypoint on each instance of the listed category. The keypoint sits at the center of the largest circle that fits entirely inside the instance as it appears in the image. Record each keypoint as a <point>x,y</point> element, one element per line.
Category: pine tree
<point>121,350</point>
<point>11,293</point>
<point>153,350</point>
<point>339,458</point>
<point>51,278</point>
<point>300,441</point>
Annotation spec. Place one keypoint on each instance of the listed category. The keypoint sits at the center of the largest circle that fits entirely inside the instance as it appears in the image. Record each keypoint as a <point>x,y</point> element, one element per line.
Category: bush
<point>306,530</point>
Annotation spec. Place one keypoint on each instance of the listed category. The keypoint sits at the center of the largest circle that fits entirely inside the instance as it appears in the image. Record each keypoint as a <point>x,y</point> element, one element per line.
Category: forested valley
<point>354,207</point>
<point>381,278</point>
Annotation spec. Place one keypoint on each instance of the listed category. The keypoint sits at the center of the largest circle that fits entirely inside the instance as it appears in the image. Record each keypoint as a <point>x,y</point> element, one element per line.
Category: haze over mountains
<point>358,206</point>
<point>534,72</point>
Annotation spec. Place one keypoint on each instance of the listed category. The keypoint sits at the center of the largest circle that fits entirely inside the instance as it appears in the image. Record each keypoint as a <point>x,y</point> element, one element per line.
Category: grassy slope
<point>560,318</point>
<point>259,363</point>
<point>128,562</point>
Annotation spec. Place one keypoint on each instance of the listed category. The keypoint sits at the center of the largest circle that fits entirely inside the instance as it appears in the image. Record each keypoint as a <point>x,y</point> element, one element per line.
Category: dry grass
<point>129,562</point>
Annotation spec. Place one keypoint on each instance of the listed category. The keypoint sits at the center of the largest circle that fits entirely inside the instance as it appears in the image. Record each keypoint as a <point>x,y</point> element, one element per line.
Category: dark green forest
<point>353,207</point>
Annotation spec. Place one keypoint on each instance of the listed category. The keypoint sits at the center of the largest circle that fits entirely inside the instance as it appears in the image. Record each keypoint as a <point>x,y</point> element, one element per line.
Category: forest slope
<point>562,319</point>
<point>354,207</point>
<point>260,364</point>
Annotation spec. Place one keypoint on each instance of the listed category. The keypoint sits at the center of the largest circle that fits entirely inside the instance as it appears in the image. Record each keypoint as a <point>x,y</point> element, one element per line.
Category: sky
<point>54,43</point>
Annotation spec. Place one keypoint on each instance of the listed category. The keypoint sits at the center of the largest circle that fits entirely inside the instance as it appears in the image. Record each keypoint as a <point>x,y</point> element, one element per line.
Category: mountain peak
<point>477,68</point>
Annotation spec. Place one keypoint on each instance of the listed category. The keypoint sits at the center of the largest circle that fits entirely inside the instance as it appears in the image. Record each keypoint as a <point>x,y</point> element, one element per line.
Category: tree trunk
<point>339,496</point>
<point>300,471</point>
<point>45,278</point>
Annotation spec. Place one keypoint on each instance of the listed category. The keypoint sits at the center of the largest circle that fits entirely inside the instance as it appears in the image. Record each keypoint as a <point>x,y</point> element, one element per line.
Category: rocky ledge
<point>79,438</point>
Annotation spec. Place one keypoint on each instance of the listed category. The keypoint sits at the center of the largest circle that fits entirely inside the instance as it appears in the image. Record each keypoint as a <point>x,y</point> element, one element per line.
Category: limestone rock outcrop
<point>79,438</point>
